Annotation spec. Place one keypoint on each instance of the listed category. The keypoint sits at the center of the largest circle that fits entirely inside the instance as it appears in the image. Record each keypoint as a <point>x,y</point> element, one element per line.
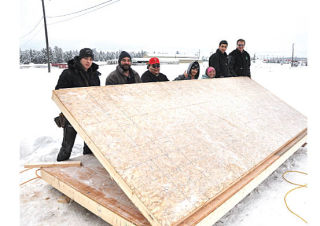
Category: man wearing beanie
<point>219,60</point>
<point>123,74</point>
<point>81,72</point>
<point>153,73</point>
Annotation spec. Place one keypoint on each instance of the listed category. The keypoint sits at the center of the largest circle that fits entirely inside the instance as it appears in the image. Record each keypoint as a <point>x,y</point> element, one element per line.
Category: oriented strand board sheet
<point>172,147</point>
<point>92,182</point>
<point>92,187</point>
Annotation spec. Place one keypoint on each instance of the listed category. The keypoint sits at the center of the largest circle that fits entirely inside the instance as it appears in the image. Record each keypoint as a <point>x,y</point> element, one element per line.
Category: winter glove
<point>60,120</point>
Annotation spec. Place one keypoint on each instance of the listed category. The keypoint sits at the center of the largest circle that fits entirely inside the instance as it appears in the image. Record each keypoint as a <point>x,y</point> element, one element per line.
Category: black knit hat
<point>122,55</point>
<point>86,52</point>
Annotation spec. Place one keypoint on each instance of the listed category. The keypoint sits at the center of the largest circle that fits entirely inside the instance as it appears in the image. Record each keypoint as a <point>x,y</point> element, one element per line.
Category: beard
<point>125,67</point>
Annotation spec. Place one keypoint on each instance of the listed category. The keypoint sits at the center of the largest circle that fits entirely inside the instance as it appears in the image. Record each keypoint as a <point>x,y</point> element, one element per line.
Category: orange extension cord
<point>37,176</point>
<point>298,187</point>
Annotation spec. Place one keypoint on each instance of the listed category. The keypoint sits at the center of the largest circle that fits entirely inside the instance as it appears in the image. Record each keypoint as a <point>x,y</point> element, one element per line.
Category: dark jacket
<point>76,76</point>
<point>182,77</point>
<point>239,63</point>
<point>149,77</point>
<point>219,61</point>
<point>117,77</point>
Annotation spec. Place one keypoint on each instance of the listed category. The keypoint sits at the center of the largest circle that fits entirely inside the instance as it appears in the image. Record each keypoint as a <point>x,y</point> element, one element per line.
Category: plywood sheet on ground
<point>174,146</point>
<point>93,181</point>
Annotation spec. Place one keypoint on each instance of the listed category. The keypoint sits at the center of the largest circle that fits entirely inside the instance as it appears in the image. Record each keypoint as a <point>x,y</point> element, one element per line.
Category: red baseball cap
<point>154,60</point>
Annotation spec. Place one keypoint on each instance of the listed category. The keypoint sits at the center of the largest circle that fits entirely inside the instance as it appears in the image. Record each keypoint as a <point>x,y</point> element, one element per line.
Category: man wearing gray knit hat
<point>123,74</point>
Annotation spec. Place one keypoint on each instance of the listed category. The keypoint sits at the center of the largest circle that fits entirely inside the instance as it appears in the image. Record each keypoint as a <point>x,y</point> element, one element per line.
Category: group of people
<point>83,72</point>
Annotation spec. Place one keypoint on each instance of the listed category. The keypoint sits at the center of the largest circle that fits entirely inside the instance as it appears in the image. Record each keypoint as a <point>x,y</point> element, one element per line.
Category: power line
<point>36,26</point>
<point>26,42</point>
<point>84,13</point>
<point>26,34</point>
<point>68,14</point>
<point>32,28</point>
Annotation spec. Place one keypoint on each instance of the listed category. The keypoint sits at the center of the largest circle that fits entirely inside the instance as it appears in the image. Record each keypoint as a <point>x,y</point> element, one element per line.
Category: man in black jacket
<point>219,60</point>
<point>239,60</point>
<point>153,74</point>
<point>81,72</point>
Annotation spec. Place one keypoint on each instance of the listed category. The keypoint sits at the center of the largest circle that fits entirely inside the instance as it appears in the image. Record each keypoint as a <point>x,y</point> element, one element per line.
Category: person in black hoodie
<point>219,60</point>
<point>239,60</point>
<point>192,72</point>
<point>153,73</point>
<point>81,72</point>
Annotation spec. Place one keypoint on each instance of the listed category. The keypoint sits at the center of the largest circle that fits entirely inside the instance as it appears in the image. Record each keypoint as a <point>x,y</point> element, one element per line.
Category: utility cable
<point>32,29</point>
<point>298,187</point>
<point>68,14</point>
<point>26,42</point>
<point>84,13</point>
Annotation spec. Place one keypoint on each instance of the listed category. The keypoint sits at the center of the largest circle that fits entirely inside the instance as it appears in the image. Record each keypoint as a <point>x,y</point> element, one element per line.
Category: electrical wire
<point>298,187</point>
<point>26,42</point>
<point>68,14</point>
<point>110,3</point>
<point>32,29</point>
<point>34,26</point>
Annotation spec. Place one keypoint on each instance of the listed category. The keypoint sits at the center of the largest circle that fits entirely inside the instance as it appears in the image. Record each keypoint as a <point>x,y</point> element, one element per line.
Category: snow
<point>40,140</point>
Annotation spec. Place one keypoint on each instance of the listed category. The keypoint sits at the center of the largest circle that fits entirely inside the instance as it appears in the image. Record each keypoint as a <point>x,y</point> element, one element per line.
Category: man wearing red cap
<point>153,74</point>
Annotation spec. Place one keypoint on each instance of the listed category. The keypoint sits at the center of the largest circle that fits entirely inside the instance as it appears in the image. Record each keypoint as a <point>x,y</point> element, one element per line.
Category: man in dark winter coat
<point>81,72</point>
<point>219,60</point>
<point>239,60</point>
<point>192,72</point>
<point>123,74</point>
<point>153,74</point>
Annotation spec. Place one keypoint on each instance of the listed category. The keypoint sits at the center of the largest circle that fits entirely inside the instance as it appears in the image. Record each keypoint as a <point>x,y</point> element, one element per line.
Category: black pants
<point>69,136</point>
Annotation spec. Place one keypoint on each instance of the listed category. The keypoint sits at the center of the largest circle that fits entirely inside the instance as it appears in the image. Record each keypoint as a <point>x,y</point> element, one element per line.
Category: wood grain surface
<point>172,147</point>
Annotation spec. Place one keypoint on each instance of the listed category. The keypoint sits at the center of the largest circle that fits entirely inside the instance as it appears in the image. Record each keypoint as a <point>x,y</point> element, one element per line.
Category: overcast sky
<point>269,27</point>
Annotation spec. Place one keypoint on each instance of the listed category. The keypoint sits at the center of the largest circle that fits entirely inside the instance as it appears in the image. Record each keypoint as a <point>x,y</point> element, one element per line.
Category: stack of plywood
<point>182,152</point>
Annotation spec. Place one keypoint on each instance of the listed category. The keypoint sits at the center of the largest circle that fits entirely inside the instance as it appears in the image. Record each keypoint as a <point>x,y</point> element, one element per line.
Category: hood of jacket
<point>75,64</point>
<point>194,63</point>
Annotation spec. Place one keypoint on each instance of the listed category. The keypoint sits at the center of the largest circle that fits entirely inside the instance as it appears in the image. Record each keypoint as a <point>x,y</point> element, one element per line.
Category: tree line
<point>57,55</point>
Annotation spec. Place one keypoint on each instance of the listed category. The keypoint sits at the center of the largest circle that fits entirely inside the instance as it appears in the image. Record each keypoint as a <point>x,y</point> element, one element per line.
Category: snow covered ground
<point>40,140</point>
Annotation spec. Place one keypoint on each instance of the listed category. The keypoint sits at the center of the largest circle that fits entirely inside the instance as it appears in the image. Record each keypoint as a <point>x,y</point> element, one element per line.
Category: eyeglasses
<point>155,65</point>
<point>195,67</point>
<point>240,45</point>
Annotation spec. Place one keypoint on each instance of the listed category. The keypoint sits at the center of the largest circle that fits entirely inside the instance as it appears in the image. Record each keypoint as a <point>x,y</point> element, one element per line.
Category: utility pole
<point>46,33</point>
<point>292,54</point>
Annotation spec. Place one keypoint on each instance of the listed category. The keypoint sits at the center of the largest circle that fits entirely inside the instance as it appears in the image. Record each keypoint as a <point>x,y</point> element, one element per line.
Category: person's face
<point>223,47</point>
<point>86,62</point>
<point>194,71</point>
<point>154,69</point>
<point>240,46</point>
<point>212,73</point>
<point>125,63</point>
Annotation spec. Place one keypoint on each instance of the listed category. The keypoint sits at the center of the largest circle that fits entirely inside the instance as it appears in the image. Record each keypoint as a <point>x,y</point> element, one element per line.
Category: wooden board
<point>174,147</point>
<point>92,187</point>
<point>52,164</point>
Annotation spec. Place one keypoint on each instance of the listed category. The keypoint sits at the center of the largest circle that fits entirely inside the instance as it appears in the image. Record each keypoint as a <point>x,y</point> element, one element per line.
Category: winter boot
<point>69,136</point>
<point>86,150</point>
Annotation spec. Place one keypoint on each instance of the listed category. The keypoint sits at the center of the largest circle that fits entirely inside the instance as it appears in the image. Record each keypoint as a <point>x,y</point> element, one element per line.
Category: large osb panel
<point>179,144</point>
